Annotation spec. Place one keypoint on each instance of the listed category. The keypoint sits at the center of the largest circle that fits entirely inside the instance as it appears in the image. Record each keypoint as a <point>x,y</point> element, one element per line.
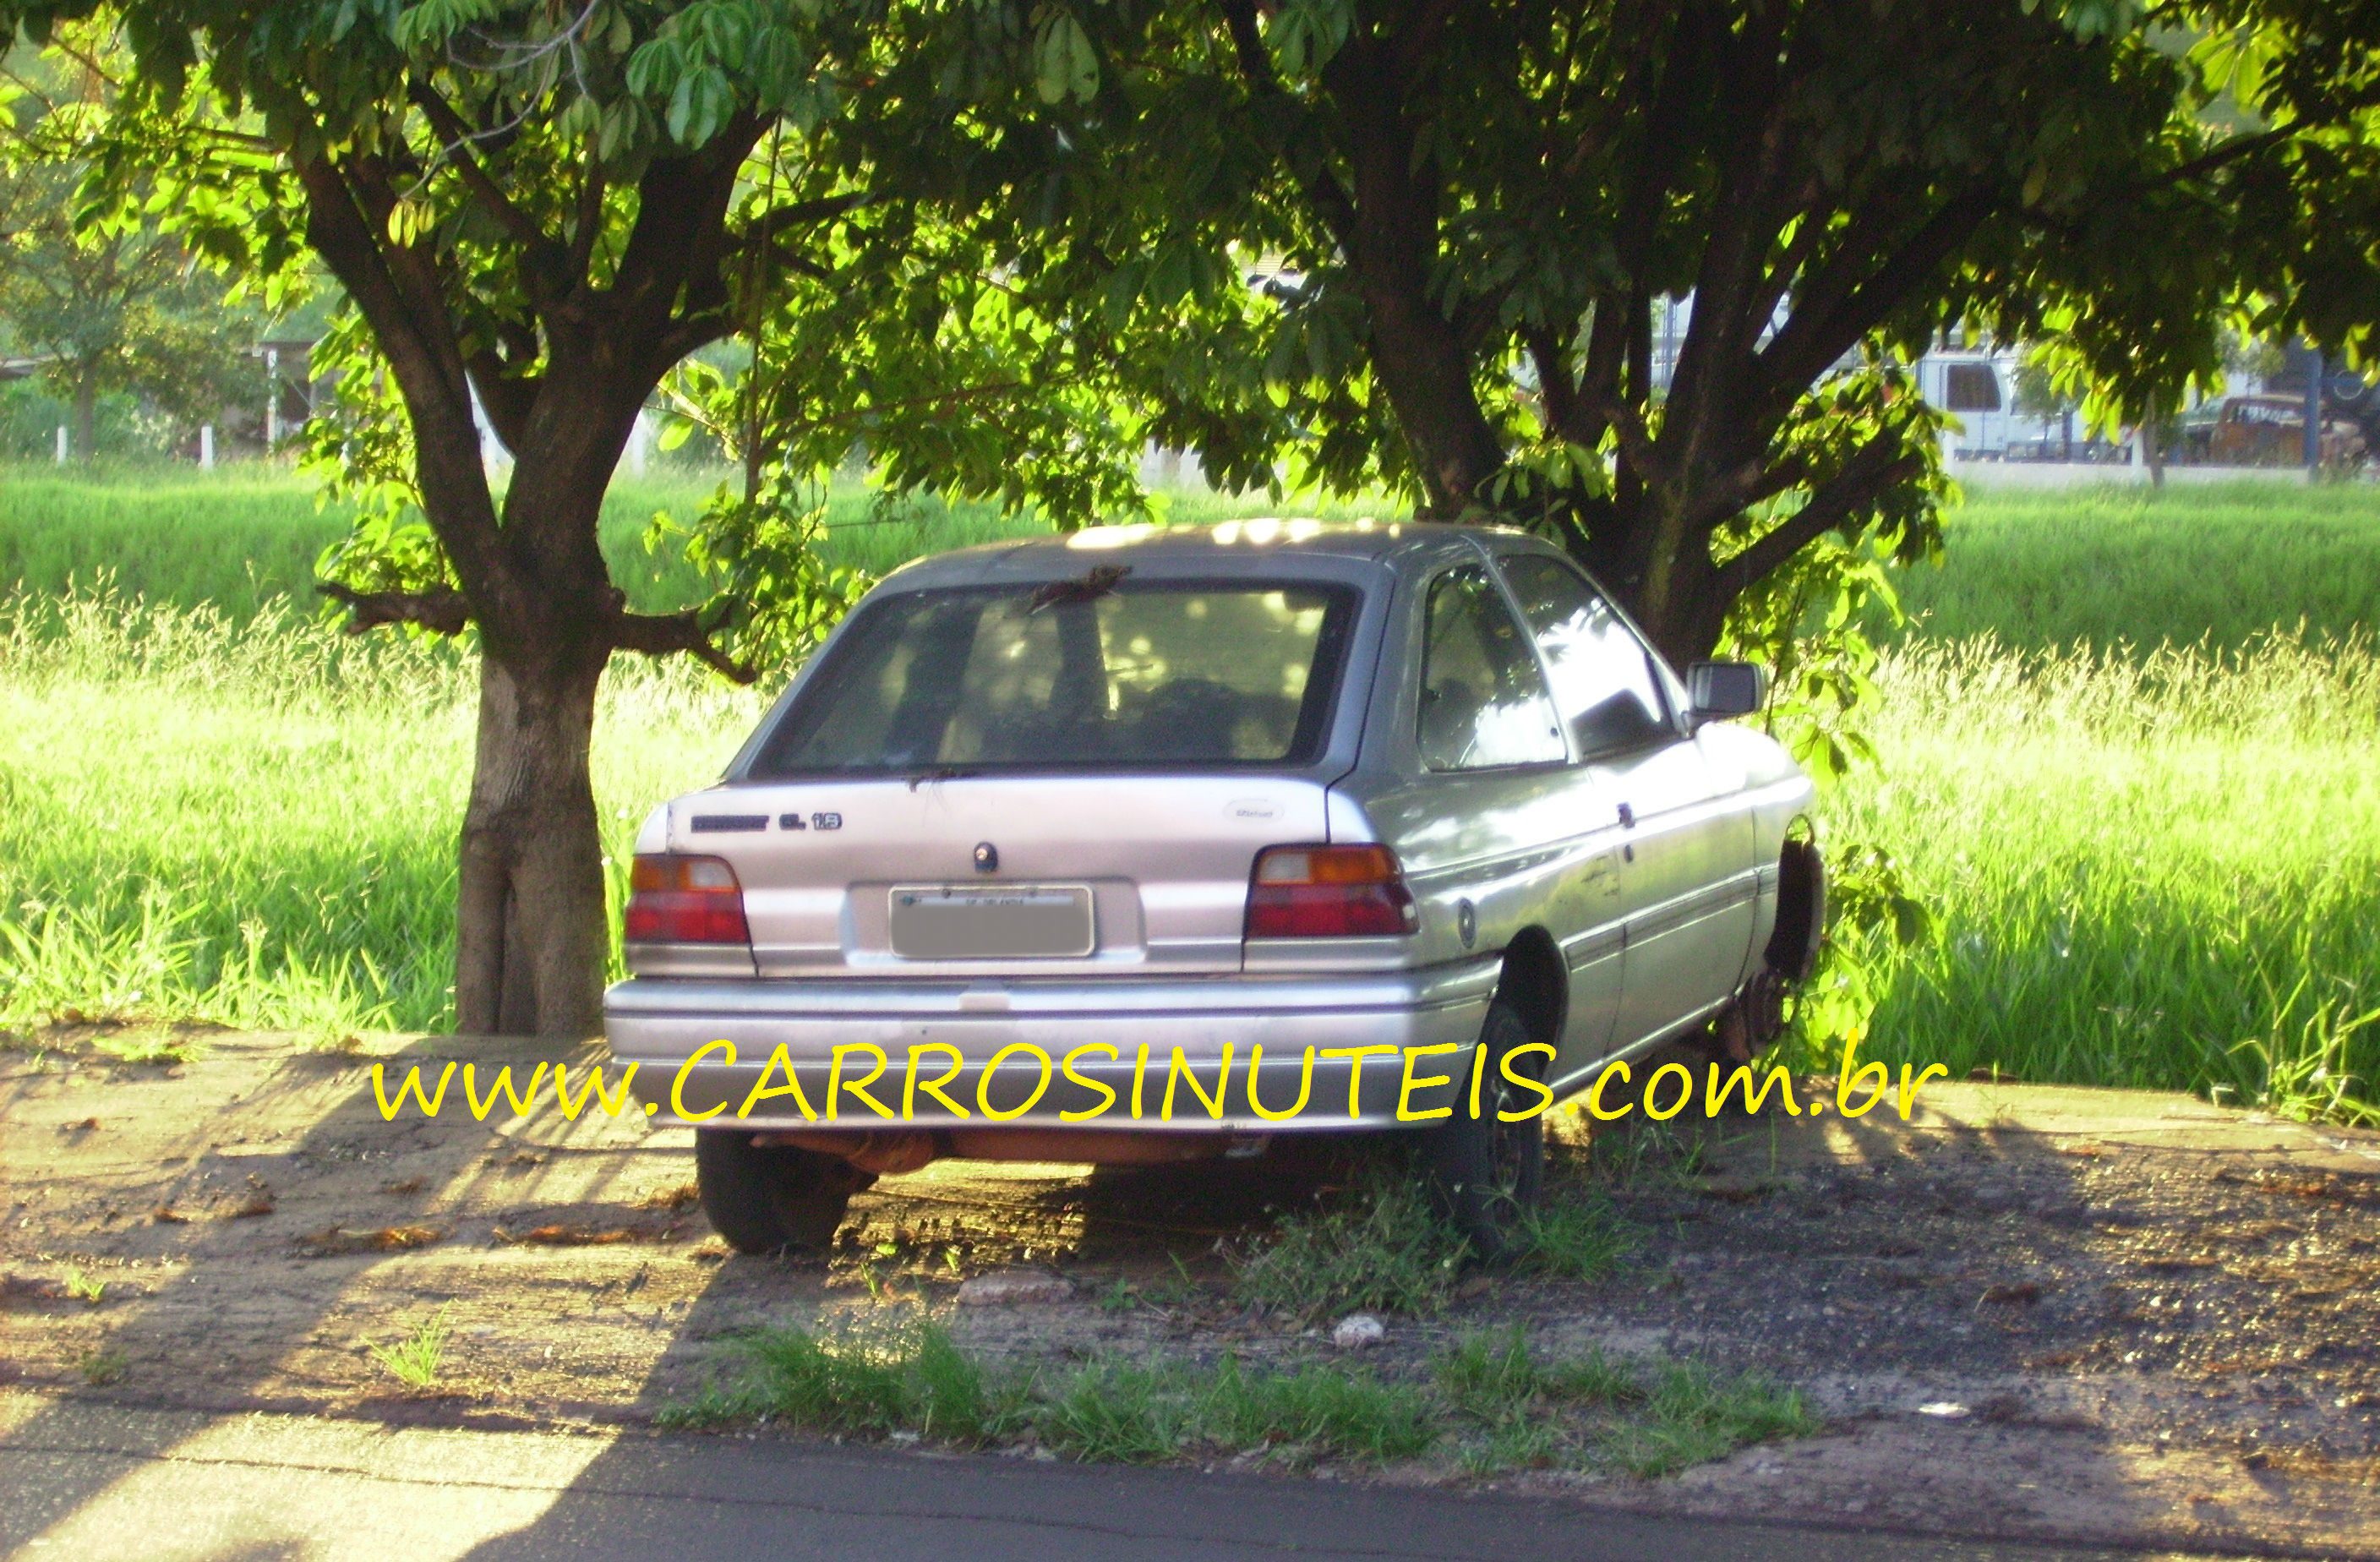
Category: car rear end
<point>1060,803</point>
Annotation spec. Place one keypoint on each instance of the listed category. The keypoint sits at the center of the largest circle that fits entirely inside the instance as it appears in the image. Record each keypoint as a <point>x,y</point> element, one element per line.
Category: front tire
<point>762,1199</point>
<point>1487,1172</point>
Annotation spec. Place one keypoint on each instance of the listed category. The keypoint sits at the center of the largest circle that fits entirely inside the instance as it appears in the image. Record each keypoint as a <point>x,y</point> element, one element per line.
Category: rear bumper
<point>1093,1032</point>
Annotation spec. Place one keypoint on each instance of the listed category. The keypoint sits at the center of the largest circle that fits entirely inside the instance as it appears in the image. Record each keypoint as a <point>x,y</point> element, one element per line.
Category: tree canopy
<point>1476,213</point>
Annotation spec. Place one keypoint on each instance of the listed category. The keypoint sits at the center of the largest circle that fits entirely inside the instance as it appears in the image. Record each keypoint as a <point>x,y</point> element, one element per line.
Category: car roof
<point>1228,547</point>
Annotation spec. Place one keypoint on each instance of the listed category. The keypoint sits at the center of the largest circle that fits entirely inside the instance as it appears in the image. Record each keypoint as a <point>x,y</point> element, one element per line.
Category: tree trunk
<point>1426,376</point>
<point>86,414</point>
<point>531,934</point>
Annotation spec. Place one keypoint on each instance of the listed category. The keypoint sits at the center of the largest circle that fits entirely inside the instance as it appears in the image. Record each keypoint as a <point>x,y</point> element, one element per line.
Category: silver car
<point>1154,844</point>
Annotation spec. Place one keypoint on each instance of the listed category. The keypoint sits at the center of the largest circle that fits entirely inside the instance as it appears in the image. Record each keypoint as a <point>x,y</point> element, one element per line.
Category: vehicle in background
<point>1221,803</point>
<point>1977,387</point>
<point>2264,430</point>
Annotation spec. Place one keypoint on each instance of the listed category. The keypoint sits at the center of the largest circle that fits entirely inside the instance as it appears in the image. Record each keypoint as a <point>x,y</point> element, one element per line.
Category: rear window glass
<point>1147,673</point>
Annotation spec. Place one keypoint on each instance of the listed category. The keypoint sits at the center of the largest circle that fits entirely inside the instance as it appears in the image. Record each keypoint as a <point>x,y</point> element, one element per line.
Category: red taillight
<point>677,899</point>
<point>1328,892</point>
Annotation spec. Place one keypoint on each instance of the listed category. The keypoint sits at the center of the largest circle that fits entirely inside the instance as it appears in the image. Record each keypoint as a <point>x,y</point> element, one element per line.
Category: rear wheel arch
<point>1536,985</point>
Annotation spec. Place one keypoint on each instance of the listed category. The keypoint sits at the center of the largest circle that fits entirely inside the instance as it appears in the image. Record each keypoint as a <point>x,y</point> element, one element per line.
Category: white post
<point>640,442</point>
<point>62,444</point>
<point>206,448</point>
<point>271,398</point>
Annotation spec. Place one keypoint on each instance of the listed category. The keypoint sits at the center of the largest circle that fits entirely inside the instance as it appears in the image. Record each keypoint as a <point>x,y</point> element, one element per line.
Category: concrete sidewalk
<point>88,1479</point>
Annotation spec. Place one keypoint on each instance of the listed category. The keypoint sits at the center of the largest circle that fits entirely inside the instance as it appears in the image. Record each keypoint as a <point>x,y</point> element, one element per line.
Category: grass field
<point>2140,860</point>
<point>2044,568</point>
<point>240,537</point>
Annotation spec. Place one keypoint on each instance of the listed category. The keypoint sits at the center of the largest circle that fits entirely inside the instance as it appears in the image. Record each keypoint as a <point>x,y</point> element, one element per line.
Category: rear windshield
<point>1116,675</point>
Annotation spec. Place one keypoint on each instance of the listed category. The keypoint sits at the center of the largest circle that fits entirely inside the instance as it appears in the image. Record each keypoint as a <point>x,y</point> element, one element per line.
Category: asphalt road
<point>89,1480</point>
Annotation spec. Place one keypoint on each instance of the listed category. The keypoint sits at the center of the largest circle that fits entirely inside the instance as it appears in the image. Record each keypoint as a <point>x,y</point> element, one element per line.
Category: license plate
<point>984,922</point>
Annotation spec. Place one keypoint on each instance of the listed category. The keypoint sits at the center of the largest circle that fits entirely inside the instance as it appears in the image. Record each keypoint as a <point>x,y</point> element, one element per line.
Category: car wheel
<point>1487,1171</point>
<point>765,1198</point>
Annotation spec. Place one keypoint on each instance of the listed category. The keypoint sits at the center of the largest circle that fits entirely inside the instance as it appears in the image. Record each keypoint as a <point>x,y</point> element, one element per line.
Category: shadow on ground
<point>2152,1318</point>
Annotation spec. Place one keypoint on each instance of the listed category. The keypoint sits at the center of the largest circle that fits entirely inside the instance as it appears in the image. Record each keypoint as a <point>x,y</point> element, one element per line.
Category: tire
<point>1486,1173</point>
<point>1801,928</point>
<point>1757,1017</point>
<point>762,1199</point>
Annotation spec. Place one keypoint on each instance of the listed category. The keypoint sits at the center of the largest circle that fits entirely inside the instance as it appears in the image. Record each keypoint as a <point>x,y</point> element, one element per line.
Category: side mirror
<point>1716,691</point>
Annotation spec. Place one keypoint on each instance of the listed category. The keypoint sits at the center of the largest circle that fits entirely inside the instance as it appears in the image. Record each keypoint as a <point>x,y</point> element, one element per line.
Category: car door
<point>1482,805</point>
<point>1679,886</point>
<point>1588,915</point>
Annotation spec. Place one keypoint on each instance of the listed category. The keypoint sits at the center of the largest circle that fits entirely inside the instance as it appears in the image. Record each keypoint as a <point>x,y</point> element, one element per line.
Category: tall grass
<point>2156,867</point>
<point>2140,801</point>
<point>253,822</point>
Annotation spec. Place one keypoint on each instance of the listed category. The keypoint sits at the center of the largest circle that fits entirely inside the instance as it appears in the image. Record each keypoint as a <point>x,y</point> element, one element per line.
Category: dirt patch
<point>2035,1313</point>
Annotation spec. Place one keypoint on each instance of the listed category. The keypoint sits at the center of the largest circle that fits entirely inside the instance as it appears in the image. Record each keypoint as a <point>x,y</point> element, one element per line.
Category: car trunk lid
<point>999,873</point>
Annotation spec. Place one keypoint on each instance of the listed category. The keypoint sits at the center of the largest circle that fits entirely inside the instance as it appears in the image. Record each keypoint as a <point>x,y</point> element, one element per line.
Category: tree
<point>1480,210</point>
<point>541,210</point>
<point>116,307</point>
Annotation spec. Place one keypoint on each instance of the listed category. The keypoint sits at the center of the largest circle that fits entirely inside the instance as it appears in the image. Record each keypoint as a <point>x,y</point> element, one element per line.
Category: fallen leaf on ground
<point>2021,1291</point>
<point>385,1238</point>
<point>258,1203</point>
<point>165,1215</point>
<point>676,1198</point>
<point>565,1236</point>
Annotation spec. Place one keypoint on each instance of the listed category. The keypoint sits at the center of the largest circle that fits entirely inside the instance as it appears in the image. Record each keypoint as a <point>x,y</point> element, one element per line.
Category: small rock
<point>1358,1331</point>
<point>1013,1287</point>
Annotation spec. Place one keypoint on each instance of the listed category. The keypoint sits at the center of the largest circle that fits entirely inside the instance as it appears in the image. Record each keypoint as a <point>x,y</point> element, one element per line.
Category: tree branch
<point>670,634</point>
<point>543,257</point>
<point>1813,340</point>
<point>506,398</point>
<point>442,611</point>
<point>1566,413</point>
<point>415,334</point>
<point>1322,187</point>
<point>1878,464</point>
<point>592,188</point>
<point>765,227</point>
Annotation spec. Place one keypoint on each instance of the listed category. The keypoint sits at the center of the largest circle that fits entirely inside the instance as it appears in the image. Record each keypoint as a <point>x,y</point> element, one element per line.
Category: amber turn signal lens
<point>1328,892</point>
<point>676,899</point>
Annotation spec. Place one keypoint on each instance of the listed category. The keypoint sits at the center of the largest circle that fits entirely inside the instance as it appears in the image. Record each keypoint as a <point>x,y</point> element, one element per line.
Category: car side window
<point>1483,700</point>
<point>1603,680</point>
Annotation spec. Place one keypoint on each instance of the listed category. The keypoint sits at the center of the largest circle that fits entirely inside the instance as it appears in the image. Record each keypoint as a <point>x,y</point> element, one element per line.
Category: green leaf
<point>1064,64</point>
